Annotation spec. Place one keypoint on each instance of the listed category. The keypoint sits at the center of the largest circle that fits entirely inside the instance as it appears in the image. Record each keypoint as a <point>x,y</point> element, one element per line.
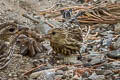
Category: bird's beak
<point>47,36</point>
<point>22,28</point>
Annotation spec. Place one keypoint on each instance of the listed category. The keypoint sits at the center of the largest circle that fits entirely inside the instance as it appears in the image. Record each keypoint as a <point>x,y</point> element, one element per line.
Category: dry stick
<point>98,16</point>
<point>51,8</point>
<point>1,56</point>
<point>45,10</point>
<point>37,21</point>
<point>11,50</point>
<point>94,16</point>
<point>75,8</point>
<point>62,66</point>
<point>101,22</point>
<point>96,13</point>
<point>113,16</point>
<point>1,60</point>
<point>50,25</point>
<point>95,66</point>
<point>59,67</point>
<point>31,18</point>
<point>66,8</point>
<point>88,19</point>
<point>85,39</point>
<point>116,13</point>
<point>114,8</point>
<point>110,59</point>
<point>34,69</point>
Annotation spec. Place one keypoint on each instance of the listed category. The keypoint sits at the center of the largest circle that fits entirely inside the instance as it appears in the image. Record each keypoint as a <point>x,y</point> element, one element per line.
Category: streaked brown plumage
<point>8,32</point>
<point>30,42</point>
<point>65,42</point>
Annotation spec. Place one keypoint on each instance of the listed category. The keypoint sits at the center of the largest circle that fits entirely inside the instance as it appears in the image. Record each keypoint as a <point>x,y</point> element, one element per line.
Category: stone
<point>60,72</point>
<point>116,45</point>
<point>43,75</point>
<point>117,28</point>
<point>114,54</point>
<point>108,72</point>
<point>116,64</point>
<point>96,58</point>
<point>94,76</point>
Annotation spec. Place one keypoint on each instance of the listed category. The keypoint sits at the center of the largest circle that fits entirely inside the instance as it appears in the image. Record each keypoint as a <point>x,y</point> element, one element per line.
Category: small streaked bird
<point>66,43</point>
<point>8,31</point>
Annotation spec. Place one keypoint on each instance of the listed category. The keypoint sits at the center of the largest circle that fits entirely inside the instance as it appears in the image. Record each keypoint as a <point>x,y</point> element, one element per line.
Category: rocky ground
<point>101,57</point>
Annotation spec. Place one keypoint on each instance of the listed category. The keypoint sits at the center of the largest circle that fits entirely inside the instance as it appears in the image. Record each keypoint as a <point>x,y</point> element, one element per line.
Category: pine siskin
<point>8,32</point>
<point>66,43</point>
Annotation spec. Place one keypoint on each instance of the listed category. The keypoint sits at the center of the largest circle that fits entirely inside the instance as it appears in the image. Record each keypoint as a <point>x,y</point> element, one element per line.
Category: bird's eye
<point>11,29</point>
<point>53,33</point>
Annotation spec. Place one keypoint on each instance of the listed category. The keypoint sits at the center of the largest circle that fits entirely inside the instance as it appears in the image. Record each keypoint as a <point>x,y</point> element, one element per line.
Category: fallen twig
<point>34,69</point>
<point>36,20</point>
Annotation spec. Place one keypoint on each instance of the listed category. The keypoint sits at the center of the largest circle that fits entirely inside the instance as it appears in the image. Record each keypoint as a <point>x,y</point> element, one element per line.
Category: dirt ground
<point>13,10</point>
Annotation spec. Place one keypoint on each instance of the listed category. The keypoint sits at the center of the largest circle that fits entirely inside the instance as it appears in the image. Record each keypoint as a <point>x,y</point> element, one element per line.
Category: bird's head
<point>8,29</point>
<point>56,34</point>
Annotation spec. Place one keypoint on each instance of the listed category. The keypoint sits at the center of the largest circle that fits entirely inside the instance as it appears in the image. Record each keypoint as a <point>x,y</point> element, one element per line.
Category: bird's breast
<point>59,49</point>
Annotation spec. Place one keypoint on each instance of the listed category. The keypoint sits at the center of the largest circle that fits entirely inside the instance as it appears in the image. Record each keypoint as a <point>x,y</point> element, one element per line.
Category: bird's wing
<point>75,34</point>
<point>72,44</point>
